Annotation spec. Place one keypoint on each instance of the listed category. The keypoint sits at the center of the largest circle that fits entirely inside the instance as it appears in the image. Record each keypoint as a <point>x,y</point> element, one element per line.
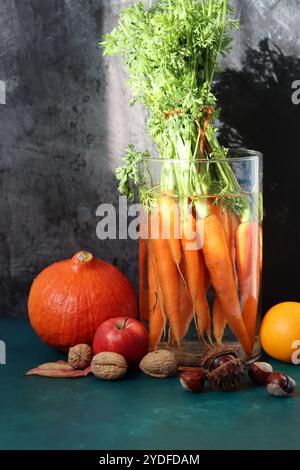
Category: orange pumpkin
<point>69,299</point>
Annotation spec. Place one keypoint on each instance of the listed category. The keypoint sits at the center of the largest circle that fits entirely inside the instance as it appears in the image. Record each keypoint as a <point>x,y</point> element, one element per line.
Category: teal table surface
<point>136,413</point>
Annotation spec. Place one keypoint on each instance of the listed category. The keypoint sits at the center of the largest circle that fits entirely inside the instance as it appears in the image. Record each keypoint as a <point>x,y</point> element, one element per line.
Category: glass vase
<point>200,254</point>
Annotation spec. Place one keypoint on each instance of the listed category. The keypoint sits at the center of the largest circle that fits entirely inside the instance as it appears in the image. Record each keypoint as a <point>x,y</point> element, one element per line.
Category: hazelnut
<point>193,381</point>
<point>80,356</point>
<point>109,366</point>
<point>259,372</point>
<point>280,385</point>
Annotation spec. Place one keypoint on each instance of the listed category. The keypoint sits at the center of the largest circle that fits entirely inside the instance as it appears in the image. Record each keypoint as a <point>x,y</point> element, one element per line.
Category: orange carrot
<point>223,215</point>
<point>250,316</point>
<point>195,274</point>
<point>244,246</point>
<point>186,306</point>
<point>218,316</point>
<point>249,260</point>
<point>229,223</point>
<point>169,212</point>
<point>234,223</point>
<point>156,317</point>
<point>261,248</point>
<point>168,278</point>
<point>217,258</point>
<point>144,307</point>
<point>170,221</point>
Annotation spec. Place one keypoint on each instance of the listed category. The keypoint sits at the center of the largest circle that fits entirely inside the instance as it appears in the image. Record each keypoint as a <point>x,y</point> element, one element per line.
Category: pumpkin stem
<point>84,256</point>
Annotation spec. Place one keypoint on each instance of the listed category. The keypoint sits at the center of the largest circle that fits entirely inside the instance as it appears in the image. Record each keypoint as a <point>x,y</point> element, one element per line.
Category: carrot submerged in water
<point>218,315</point>
<point>217,258</point>
<point>244,251</point>
<point>229,223</point>
<point>261,248</point>
<point>168,278</point>
<point>170,217</point>
<point>186,306</point>
<point>156,316</point>
<point>169,212</point>
<point>248,255</point>
<point>250,316</point>
<point>195,274</point>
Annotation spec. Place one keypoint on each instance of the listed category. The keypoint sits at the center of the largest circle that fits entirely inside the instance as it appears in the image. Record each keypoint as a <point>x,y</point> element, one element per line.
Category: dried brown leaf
<point>58,369</point>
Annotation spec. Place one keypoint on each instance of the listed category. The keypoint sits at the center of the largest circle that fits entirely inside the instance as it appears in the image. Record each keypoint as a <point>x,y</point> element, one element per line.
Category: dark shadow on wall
<point>54,155</point>
<point>258,113</point>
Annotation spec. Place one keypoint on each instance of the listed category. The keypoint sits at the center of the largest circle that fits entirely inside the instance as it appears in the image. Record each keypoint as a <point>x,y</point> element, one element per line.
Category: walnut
<point>109,366</point>
<point>160,364</point>
<point>80,356</point>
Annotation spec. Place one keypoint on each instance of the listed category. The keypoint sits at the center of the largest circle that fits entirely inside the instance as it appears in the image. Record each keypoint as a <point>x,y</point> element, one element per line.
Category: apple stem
<point>124,324</point>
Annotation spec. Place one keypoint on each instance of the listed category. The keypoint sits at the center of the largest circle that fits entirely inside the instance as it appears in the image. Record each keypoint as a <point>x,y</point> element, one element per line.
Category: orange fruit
<point>280,329</point>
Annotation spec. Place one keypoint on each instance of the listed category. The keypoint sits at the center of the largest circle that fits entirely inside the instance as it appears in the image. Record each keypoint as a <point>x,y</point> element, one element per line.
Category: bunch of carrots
<point>176,273</point>
<point>171,52</point>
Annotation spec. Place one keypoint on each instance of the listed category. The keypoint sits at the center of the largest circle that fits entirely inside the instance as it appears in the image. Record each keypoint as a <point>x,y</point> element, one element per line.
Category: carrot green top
<point>171,52</point>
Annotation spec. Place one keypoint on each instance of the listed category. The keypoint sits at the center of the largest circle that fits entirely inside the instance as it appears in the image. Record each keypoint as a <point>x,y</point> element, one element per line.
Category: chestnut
<point>193,380</point>
<point>280,385</point>
<point>220,361</point>
<point>259,372</point>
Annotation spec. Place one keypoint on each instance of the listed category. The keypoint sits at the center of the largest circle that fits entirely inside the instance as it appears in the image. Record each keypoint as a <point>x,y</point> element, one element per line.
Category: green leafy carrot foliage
<point>171,52</point>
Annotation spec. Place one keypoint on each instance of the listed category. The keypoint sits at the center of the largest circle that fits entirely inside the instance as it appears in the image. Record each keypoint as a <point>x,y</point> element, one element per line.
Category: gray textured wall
<point>67,121</point>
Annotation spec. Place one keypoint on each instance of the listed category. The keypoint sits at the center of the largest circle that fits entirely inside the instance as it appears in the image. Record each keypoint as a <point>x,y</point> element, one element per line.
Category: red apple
<point>125,336</point>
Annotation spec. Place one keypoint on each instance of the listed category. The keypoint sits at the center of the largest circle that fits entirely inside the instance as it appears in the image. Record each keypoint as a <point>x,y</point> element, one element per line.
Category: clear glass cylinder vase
<point>200,254</point>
